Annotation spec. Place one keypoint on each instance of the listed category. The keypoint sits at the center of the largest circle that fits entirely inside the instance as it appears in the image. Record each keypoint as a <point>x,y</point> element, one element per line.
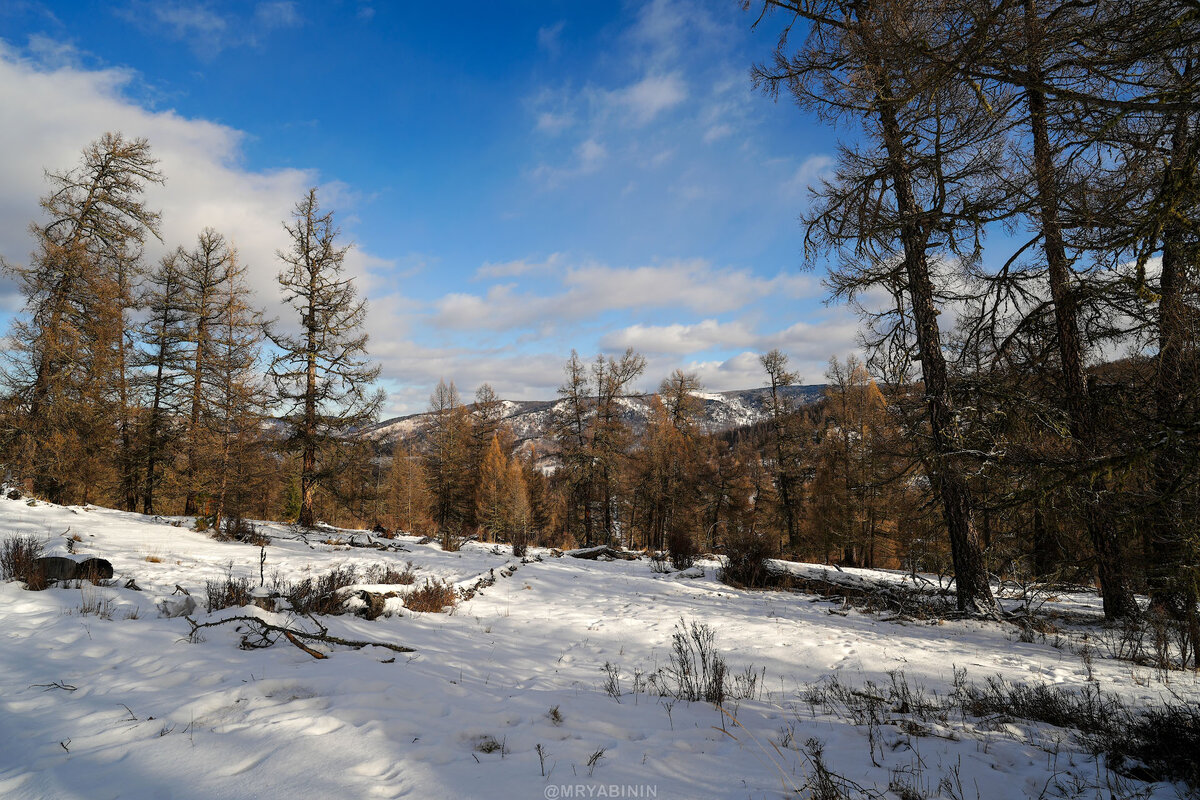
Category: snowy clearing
<point>101,697</point>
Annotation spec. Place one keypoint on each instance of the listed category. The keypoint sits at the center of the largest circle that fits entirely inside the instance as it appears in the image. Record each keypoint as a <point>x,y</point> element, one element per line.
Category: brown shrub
<point>18,558</point>
<point>431,598</point>
<point>386,573</point>
<point>237,529</point>
<point>322,595</point>
<point>746,559</point>
<point>227,593</point>
<point>682,548</point>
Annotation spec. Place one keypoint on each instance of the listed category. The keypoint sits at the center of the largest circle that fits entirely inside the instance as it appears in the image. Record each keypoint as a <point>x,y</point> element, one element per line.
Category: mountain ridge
<point>531,420</point>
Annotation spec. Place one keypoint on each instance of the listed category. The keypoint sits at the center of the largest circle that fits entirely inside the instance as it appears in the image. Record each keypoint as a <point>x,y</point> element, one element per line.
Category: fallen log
<point>592,553</point>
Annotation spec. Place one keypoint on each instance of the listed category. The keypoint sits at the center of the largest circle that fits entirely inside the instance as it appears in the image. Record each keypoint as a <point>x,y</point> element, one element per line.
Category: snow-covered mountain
<point>531,421</point>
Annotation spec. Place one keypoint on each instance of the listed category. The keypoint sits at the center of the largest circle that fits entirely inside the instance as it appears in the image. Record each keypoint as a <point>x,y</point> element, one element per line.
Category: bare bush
<point>386,573</point>
<point>18,558</point>
<point>92,602</point>
<point>746,559</point>
<point>431,598</point>
<point>698,672</point>
<point>227,593</point>
<point>682,547</point>
<point>1153,638</point>
<point>234,528</point>
<point>1150,744</point>
<point>321,595</point>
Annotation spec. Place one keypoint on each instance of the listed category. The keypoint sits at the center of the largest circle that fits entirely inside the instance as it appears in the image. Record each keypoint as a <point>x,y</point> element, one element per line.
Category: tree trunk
<point>1117,597</point>
<point>785,479</point>
<point>950,484</point>
<point>308,470</point>
<point>1165,545</point>
<point>128,462</point>
<point>191,505</point>
<point>152,435</point>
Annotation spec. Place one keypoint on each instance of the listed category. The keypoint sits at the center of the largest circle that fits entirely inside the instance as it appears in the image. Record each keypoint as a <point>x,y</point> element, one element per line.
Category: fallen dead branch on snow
<point>293,635</point>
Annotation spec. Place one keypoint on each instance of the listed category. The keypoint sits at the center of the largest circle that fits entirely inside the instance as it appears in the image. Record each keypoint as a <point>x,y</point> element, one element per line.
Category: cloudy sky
<point>519,178</point>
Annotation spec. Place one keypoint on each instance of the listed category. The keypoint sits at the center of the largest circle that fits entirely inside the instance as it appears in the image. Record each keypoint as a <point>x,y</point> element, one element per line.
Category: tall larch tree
<point>163,367</point>
<point>68,364</point>
<point>239,398</point>
<point>910,199</point>
<point>408,500</point>
<point>204,273</point>
<point>447,461</point>
<point>785,440</point>
<point>321,374</point>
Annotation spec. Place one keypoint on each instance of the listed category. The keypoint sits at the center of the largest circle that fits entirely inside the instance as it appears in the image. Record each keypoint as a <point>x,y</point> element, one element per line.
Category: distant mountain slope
<point>531,421</point>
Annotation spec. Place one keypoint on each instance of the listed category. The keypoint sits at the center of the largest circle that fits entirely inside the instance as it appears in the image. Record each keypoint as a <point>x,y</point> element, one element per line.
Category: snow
<point>140,710</point>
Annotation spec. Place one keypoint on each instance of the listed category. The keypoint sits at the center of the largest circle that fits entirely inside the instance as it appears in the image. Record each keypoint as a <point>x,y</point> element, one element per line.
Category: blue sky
<point>519,179</point>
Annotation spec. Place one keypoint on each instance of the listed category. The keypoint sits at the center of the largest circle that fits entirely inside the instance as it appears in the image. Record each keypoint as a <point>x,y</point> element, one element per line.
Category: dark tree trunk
<point>152,436</point>
<point>972,589</point>
<point>308,467</point>
<point>1117,596</point>
<point>191,505</point>
<point>1165,545</point>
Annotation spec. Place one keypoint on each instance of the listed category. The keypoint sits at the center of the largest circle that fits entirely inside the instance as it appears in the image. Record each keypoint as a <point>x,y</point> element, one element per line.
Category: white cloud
<point>52,113</point>
<point>278,14</point>
<point>810,344</point>
<point>589,155</point>
<point>188,19</point>
<point>811,172</point>
<point>679,338</point>
<point>548,37</point>
<point>641,102</point>
<point>715,133</point>
<point>208,31</point>
<point>520,267</point>
<point>519,376</point>
<point>550,122</point>
<point>52,52</point>
<point>658,32</point>
<point>590,290</point>
<point>694,284</point>
<point>667,81</point>
<point>586,294</point>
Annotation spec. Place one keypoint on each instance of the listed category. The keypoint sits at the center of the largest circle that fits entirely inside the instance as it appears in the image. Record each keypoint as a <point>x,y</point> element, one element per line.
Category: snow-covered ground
<point>126,704</point>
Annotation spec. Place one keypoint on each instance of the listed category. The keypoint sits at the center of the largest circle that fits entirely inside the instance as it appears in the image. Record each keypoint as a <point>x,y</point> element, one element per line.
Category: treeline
<point>840,480</point>
<point>162,388</point>
<point>836,481</point>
